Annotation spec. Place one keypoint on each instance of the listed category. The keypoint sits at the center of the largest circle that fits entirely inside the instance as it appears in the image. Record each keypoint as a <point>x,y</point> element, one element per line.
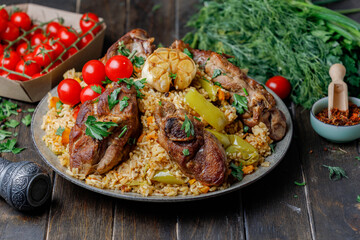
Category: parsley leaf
<point>236,171</point>
<point>160,103</point>
<point>246,92</point>
<point>124,129</point>
<point>137,84</point>
<point>337,171</point>
<point>98,130</point>
<point>30,110</point>
<point>59,106</point>
<point>124,103</point>
<point>197,118</point>
<point>272,146</point>
<point>12,123</point>
<point>172,75</point>
<point>357,158</point>
<point>123,50</point>
<point>4,134</point>
<point>300,184</point>
<point>187,52</point>
<point>113,98</point>
<point>60,131</point>
<point>9,146</point>
<point>8,108</point>
<point>217,72</point>
<point>240,103</point>
<point>96,89</point>
<point>138,61</point>
<point>246,129</point>
<point>186,152</point>
<point>188,126</point>
<point>358,198</point>
<point>26,120</point>
<point>218,84</point>
<point>107,81</point>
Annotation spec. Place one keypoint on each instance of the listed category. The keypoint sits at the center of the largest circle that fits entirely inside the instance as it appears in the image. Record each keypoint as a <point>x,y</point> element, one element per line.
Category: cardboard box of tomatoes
<point>34,89</point>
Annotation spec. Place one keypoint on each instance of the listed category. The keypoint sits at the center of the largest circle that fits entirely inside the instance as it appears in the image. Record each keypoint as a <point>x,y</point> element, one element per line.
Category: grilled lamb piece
<point>261,104</point>
<point>136,39</point>
<point>206,159</point>
<point>91,155</point>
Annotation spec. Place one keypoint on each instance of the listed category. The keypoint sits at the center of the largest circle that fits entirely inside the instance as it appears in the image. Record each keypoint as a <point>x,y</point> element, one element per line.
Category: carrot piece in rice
<point>248,169</point>
<point>65,136</point>
<point>53,102</point>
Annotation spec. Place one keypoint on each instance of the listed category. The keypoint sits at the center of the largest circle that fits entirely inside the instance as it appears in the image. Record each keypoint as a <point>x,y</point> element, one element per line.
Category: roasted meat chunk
<point>136,39</point>
<point>199,154</point>
<point>261,104</point>
<point>93,155</point>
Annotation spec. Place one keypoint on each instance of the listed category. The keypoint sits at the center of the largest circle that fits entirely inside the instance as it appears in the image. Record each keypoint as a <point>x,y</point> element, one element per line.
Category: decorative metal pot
<point>24,185</point>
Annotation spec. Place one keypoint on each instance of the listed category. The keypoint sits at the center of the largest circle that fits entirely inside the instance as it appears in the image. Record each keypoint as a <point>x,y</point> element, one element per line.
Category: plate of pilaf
<point>243,147</point>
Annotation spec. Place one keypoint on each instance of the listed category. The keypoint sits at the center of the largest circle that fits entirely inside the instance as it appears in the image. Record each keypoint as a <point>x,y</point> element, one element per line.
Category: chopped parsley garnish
<point>186,152</point>
<point>272,146</point>
<point>172,75</point>
<point>123,50</point>
<point>357,158</point>
<point>197,118</point>
<point>246,129</point>
<point>236,171</point>
<point>204,78</point>
<point>246,92</point>
<point>96,89</point>
<point>188,126</point>
<point>218,84</point>
<point>9,146</point>
<point>60,131</point>
<point>135,60</point>
<point>187,52</point>
<point>98,130</point>
<point>59,106</point>
<point>138,61</point>
<point>30,110</point>
<point>7,108</point>
<point>160,103</point>
<point>336,173</point>
<point>124,129</point>
<point>113,98</point>
<point>358,198</point>
<point>4,134</point>
<point>26,120</point>
<point>240,103</point>
<point>12,123</point>
<point>217,72</point>
<point>300,184</point>
<point>137,84</point>
<point>124,103</point>
<point>107,81</point>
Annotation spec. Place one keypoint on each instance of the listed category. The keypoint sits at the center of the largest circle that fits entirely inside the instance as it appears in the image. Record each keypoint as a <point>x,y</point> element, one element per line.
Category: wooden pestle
<point>337,90</point>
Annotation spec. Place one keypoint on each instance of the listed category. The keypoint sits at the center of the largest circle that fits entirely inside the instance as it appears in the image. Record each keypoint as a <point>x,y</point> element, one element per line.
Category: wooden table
<point>272,208</point>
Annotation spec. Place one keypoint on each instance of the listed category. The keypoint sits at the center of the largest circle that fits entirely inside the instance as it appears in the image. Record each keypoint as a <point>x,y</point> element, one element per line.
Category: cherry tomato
<point>57,63</point>
<point>11,61</point>
<point>1,48</point>
<point>87,21</point>
<point>11,32</point>
<point>70,52</point>
<point>84,40</point>
<point>43,55</point>
<point>37,75</point>
<point>4,14</point>
<point>38,30</point>
<point>67,37</point>
<point>29,56</point>
<point>76,112</point>
<point>52,29</point>
<point>21,20</point>
<point>118,67</point>
<point>57,46</point>
<point>93,72</point>
<point>3,24</point>
<point>30,68</point>
<point>5,74</point>
<point>22,48</point>
<point>37,39</point>
<point>280,85</point>
<point>89,94</point>
<point>69,91</point>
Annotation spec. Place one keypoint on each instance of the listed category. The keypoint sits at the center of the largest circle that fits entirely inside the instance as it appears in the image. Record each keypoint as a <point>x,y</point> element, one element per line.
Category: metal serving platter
<point>51,159</point>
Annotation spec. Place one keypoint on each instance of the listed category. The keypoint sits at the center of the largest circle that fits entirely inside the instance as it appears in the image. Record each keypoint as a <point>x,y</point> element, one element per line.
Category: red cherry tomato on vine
<point>3,24</point>
<point>55,64</point>
<point>69,91</point>
<point>37,39</point>
<point>87,21</point>
<point>1,48</point>
<point>21,20</point>
<point>85,40</point>
<point>22,48</point>
<point>57,46</point>
<point>37,75</point>
<point>4,14</point>
<point>89,94</point>
<point>67,37</point>
<point>43,55</point>
<point>280,85</point>
<point>29,68</point>
<point>52,29</point>
<point>11,32</point>
<point>93,72</point>
<point>10,61</point>
<point>28,56</point>
<point>118,67</point>
<point>38,30</point>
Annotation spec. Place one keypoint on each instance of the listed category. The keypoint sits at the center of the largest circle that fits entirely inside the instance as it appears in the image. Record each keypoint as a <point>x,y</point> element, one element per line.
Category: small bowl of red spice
<point>342,126</point>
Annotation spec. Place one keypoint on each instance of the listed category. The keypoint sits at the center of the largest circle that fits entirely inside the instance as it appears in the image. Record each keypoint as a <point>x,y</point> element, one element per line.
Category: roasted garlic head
<point>165,66</point>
